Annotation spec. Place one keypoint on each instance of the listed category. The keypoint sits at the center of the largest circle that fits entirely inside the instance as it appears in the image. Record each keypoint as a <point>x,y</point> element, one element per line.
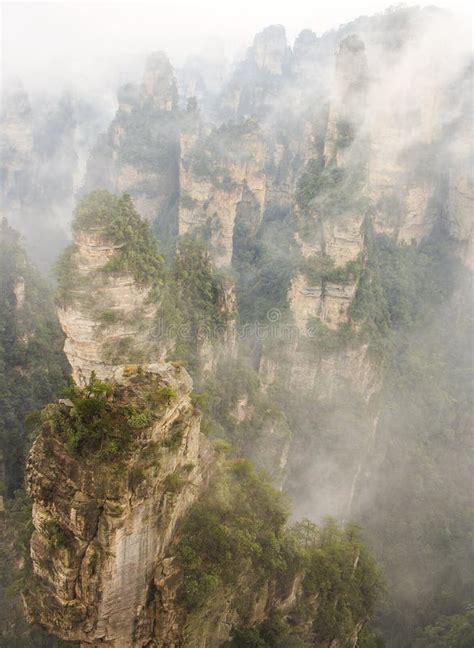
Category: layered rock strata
<point>107,318</point>
<point>102,528</point>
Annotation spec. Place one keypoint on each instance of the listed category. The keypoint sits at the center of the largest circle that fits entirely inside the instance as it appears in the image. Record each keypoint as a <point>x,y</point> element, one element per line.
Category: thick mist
<point>326,167</point>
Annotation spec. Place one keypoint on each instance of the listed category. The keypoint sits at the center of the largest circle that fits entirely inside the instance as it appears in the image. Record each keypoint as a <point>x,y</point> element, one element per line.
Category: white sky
<point>83,43</point>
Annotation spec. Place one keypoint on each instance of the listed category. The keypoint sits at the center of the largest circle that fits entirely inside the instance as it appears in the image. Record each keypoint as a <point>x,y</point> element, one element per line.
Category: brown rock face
<point>270,50</point>
<point>101,528</point>
<point>139,154</point>
<point>215,197</point>
<point>159,84</point>
<point>347,109</point>
<point>107,318</point>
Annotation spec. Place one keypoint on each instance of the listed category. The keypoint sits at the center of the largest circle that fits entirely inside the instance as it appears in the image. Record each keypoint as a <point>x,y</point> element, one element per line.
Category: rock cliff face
<point>104,515</point>
<point>107,524</point>
<point>460,175</point>
<point>107,319</point>
<point>16,141</point>
<point>347,106</point>
<point>222,185</point>
<point>140,152</point>
<point>211,630</point>
<point>102,529</point>
<point>258,79</point>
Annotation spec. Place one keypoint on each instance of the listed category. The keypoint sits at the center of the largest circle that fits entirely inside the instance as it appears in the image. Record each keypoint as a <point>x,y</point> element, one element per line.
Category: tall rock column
<point>330,197</point>
<point>348,103</point>
<point>104,516</point>
<point>140,152</point>
<point>118,463</point>
<point>106,307</point>
<point>222,183</point>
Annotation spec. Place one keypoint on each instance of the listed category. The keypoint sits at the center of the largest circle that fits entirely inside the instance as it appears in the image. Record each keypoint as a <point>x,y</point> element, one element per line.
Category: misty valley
<point>236,403</point>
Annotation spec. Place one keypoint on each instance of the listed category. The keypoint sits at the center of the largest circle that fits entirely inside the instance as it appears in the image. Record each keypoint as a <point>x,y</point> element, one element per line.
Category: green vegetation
<point>186,201</point>
<point>173,483</point>
<point>213,154</point>
<point>138,254</point>
<point>110,317</point>
<point>199,284</point>
<point>116,218</point>
<point>399,285</point>
<point>321,269</point>
<point>67,275</point>
<point>94,423</point>
<point>455,631</point>
<point>272,633</point>
<point>331,189</point>
<point>57,536</point>
<point>136,476</point>
<point>264,262</point>
<point>151,138</point>
<point>101,419</point>
<point>175,437</point>
<point>346,593</point>
<point>236,526</point>
<point>192,305</point>
<point>163,395</point>
<point>232,380</point>
<point>345,133</point>
<point>323,341</point>
<point>237,531</point>
<point>33,368</point>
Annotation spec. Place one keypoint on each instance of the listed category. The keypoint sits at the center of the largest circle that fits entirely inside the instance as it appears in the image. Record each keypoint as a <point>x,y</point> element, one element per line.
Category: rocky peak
<point>127,96</point>
<point>222,182</point>
<point>159,83</point>
<point>270,50</point>
<point>351,65</point>
<point>105,310</point>
<point>304,43</point>
<point>347,107</point>
<point>105,516</point>
<point>139,155</point>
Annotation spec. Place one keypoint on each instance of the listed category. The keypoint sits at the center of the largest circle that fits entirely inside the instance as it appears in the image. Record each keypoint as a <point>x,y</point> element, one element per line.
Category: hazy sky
<point>82,43</point>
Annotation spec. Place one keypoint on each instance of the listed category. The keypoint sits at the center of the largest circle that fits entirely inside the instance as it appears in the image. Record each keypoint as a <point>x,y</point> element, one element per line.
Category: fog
<point>359,450</point>
<point>81,45</point>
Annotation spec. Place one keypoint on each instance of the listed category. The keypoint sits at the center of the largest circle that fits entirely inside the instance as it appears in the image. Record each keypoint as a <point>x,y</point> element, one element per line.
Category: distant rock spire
<point>304,42</point>
<point>159,83</point>
<point>270,50</point>
<point>347,108</point>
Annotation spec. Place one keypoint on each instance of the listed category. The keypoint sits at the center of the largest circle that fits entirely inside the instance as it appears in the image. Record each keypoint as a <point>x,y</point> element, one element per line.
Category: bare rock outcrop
<point>139,154</point>
<point>102,526</point>
<point>222,183</point>
<point>107,318</point>
<point>348,103</point>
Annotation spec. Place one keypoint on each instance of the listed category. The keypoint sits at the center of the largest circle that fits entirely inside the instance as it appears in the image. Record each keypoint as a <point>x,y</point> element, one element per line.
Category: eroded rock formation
<point>140,152</point>
<point>222,185</point>
<point>108,319</point>
<point>103,527</point>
